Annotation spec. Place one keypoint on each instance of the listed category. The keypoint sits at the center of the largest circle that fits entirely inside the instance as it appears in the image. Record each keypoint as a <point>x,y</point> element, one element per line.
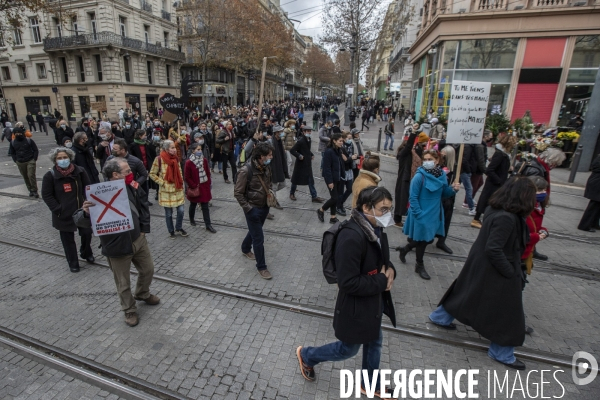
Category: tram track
<point>321,312</point>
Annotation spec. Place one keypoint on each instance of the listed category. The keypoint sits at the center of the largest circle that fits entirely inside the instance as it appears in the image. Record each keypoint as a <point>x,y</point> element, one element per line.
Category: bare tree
<point>319,67</point>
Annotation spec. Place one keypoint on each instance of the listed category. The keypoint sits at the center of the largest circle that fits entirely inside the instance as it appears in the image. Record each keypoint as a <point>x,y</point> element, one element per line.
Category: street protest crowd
<point>256,149</point>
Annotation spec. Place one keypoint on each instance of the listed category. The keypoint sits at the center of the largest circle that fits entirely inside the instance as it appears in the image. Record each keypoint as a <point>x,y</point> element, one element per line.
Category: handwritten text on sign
<point>468,108</point>
<point>112,213</point>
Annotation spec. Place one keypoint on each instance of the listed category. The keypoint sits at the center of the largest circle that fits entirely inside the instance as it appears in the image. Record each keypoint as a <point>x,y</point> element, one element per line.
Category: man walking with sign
<point>126,247</point>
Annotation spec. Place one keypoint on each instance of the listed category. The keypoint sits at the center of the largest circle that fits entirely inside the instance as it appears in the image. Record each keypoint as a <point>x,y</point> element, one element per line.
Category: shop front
<point>38,104</point>
<point>132,102</point>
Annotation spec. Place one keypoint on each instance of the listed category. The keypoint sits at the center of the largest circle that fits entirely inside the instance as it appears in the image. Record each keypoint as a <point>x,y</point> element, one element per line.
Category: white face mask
<point>429,164</point>
<point>385,220</point>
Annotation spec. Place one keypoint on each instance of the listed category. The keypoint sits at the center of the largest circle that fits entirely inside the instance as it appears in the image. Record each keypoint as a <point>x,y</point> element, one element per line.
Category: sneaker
<point>250,255</point>
<point>341,212</point>
<point>333,220</point>
<point>307,372</point>
<point>292,197</point>
<point>265,274</point>
<point>182,232</point>
<point>321,215</point>
<point>193,223</point>
<point>131,319</point>
<point>476,224</point>
<point>30,194</point>
<point>318,200</point>
<point>151,300</point>
<point>465,205</point>
<point>472,211</point>
<point>270,216</point>
<point>172,235</point>
<point>36,195</point>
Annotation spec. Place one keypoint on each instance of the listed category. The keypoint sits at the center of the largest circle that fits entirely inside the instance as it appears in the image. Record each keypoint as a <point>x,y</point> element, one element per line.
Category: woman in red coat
<point>534,221</point>
<point>197,177</point>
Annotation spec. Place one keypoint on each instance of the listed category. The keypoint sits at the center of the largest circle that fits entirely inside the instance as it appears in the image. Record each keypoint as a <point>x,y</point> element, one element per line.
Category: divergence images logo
<point>582,367</point>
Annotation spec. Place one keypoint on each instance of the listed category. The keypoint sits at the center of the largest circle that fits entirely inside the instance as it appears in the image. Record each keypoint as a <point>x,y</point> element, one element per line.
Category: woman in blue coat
<point>426,215</point>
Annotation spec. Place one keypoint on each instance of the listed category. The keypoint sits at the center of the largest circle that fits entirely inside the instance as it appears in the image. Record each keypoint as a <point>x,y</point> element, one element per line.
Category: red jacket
<point>192,178</point>
<point>534,223</point>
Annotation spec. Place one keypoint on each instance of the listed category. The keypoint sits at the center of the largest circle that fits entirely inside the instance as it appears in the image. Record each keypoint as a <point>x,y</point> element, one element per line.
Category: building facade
<point>541,56</point>
<point>92,59</point>
<point>380,56</point>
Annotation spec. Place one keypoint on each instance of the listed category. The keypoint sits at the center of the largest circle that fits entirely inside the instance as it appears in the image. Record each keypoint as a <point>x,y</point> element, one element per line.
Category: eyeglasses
<point>384,210</point>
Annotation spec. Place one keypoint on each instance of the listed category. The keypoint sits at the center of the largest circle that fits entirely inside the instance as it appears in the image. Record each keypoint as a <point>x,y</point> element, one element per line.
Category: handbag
<point>195,192</point>
<point>271,198</point>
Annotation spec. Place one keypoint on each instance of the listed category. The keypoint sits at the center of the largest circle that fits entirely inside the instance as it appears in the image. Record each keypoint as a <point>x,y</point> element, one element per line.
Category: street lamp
<point>262,88</point>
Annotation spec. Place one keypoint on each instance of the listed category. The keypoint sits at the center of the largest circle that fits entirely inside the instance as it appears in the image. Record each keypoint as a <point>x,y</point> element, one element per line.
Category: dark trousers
<point>43,127</point>
<point>255,239</point>
<point>70,247</point>
<point>335,193</point>
<point>590,216</point>
<point>32,126</point>
<point>205,212</point>
<point>229,158</point>
<point>311,187</point>
<point>476,183</point>
<point>364,124</point>
<point>419,246</point>
<point>344,194</point>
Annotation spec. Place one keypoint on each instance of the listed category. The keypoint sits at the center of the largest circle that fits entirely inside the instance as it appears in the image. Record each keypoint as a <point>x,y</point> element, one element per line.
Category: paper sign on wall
<point>112,213</point>
<point>468,109</point>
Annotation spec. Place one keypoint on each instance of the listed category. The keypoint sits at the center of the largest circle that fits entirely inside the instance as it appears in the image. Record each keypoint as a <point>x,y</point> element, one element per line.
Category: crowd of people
<point>264,147</point>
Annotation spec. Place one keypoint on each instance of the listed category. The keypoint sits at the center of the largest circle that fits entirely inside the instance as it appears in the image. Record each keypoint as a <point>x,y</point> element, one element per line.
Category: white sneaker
<point>465,205</point>
<point>472,211</point>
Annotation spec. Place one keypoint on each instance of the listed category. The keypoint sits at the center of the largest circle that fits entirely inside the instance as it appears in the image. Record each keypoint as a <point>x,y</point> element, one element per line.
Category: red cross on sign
<point>108,205</point>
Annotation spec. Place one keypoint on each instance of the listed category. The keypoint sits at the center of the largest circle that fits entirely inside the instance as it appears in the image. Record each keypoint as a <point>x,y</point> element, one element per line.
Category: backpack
<point>328,248</point>
<point>315,117</point>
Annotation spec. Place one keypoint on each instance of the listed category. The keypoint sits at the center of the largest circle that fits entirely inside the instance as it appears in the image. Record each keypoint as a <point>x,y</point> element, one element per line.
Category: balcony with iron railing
<point>93,40</point>
<point>166,15</point>
<point>145,6</point>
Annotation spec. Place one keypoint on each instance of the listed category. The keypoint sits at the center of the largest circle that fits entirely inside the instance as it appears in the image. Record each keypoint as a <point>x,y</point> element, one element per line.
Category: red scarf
<point>68,171</point>
<point>172,175</point>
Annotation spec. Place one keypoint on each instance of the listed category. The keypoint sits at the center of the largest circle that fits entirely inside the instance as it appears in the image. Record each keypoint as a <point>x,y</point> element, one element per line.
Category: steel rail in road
<point>450,339</point>
<point>96,374</point>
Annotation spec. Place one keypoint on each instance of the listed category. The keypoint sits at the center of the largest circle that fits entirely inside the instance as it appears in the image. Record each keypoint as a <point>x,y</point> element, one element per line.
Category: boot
<point>420,269</point>
<point>403,252</point>
<point>539,256</point>
<point>441,244</point>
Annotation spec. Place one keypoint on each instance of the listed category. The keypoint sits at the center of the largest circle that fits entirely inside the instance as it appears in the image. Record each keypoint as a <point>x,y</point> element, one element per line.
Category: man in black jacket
<point>40,120</point>
<point>129,133</point>
<point>24,153</point>
<point>30,122</point>
<point>124,248</point>
<point>140,174</point>
<point>364,276</point>
<point>469,163</point>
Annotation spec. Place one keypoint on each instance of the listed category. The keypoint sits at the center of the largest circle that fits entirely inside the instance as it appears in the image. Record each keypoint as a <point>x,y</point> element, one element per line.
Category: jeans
<point>339,351</point>
<point>219,164</point>
<point>311,187</point>
<point>344,194</point>
<point>391,139</point>
<point>322,156</point>
<point>229,158</point>
<point>465,179</point>
<point>255,239</point>
<point>504,354</point>
<point>70,247</point>
<point>205,213</point>
<point>169,218</point>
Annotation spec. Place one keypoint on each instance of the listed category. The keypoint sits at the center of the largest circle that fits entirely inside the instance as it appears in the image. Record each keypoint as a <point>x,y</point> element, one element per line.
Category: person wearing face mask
<point>122,249</point>
<point>425,217</point>
<point>349,157</point>
<point>63,191</point>
<point>140,173</point>
<point>197,177</point>
<point>358,148</point>
<point>166,172</point>
<point>115,130</point>
<point>129,132</point>
<point>84,156</point>
<point>146,153</point>
<point>64,131</point>
<point>24,153</point>
<point>104,148</point>
<point>324,139</point>
<point>251,192</point>
<point>279,171</point>
<point>365,276</point>
<point>368,176</point>
<point>226,140</point>
<point>334,175</point>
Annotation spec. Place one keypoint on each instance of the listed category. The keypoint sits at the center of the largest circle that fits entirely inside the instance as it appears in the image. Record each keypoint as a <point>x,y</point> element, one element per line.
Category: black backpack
<point>328,248</point>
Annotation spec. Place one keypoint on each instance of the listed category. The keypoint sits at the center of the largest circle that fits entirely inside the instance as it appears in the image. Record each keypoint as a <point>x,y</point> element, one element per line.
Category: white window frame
<point>74,25</point>
<point>123,26</point>
<point>18,37</point>
<point>22,72</point>
<point>36,33</point>
<point>6,75</point>
<point>147,33</point>
<point>42,71</point>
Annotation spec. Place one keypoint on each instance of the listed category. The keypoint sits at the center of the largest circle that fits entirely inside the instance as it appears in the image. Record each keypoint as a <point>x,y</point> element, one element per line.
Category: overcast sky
<point>307,11</point>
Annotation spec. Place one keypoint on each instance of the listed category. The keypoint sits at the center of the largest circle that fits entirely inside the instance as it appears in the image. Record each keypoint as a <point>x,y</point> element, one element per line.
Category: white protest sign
<point>112,213</point>
<point>468,109</point>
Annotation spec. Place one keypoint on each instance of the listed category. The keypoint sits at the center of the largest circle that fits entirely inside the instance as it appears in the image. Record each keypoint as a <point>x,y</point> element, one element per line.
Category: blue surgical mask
<point>64,164</point>
<point>267,161</point>
<point>198,153</point>
<point>156,138</point>
<point>540,197</point>
<point>127,126</point>
<point>429,164</point>
<point>307,135</point>
<point>349,141</point>
<point>282,135</point>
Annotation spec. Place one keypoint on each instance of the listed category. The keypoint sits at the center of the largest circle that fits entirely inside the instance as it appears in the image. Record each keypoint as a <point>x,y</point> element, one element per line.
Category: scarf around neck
<point>68,171</point>
<point>199,163</point>
<point>172,174</point>
<point>437,171</point>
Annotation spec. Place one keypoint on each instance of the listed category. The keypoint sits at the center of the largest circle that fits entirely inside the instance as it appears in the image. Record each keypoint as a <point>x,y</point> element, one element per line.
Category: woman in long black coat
<point>590,218</point>
<point>404,158</point>
<point>63,191</point>
<point>497,174</point>
<point>487,295</point>
<point>303,174</point>
<point>84,156</point>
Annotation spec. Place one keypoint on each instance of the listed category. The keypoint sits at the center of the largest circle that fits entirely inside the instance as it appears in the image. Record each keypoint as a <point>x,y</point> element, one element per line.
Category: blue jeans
<point>504,354</point>
<point>465,179</point>
<point>339,351</point>
<point>322,155</point>
<point>391,138</point>
<point>255,239</point>
<point>311,187</point>
<point>169,218</point>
